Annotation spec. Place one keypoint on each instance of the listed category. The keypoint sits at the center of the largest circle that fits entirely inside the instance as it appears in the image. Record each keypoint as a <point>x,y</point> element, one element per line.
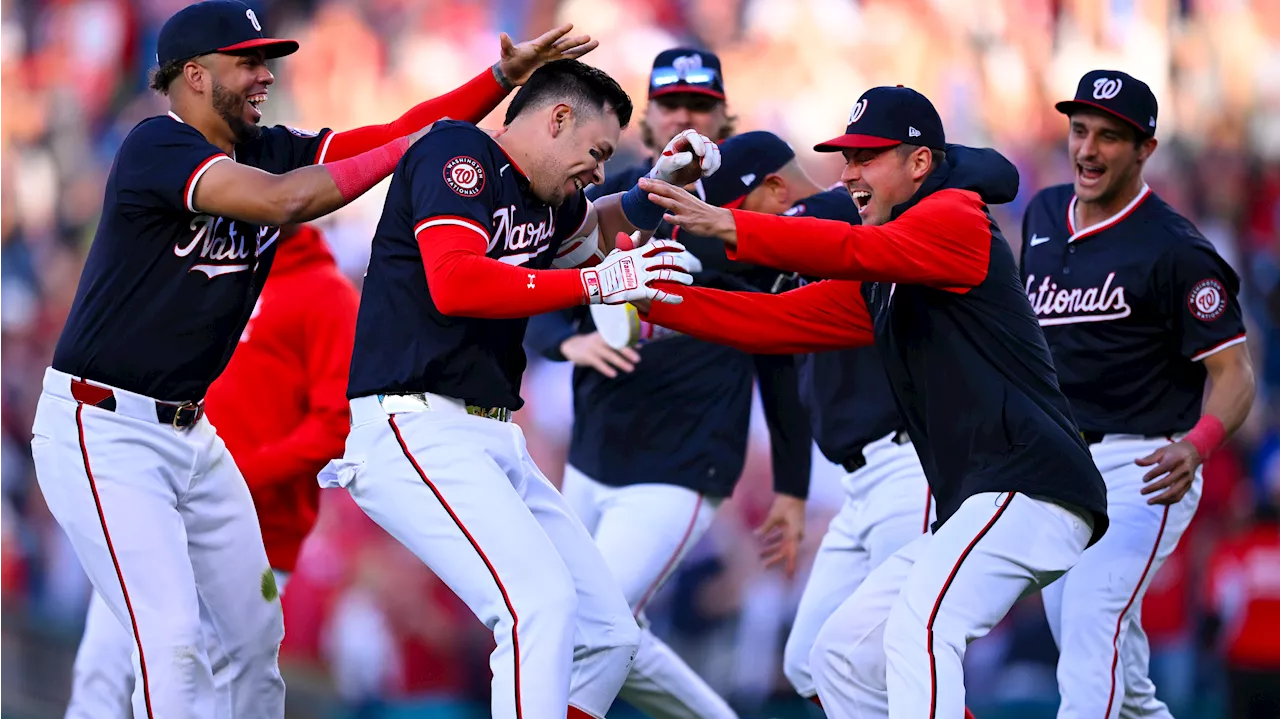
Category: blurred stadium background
<point>371,633</point>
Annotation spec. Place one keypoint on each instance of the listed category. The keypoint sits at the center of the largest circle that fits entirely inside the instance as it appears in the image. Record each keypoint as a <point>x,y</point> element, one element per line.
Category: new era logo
<point>748,178</point>
<point>912,132</point>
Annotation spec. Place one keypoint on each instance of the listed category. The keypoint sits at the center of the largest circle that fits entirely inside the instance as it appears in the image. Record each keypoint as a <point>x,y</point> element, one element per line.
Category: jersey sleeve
<point>571,216</point>
<point>451,181</point>
<point>160,163</point>
<point>290,148</point>
<point>1202,297</point>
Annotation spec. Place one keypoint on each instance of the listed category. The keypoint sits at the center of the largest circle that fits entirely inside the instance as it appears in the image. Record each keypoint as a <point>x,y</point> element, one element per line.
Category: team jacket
<point>682,417</point>
<point>937,290</point>
<point>280,404</point>
<point>1129,308</point>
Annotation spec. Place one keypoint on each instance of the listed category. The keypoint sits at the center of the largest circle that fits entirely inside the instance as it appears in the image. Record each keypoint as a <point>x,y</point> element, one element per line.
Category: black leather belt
<point>857,461</point>
<point>1091,437</point>
<point>177,415</point>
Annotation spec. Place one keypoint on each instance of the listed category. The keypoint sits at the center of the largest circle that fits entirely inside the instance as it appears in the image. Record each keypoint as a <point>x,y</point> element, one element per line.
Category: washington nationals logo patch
<point>1207,300</point>
<point>464,176</point>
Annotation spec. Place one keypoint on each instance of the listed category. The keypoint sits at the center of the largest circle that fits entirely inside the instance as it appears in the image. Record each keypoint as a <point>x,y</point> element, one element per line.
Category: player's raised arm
<point>824,315</point>
<point>470,102</point>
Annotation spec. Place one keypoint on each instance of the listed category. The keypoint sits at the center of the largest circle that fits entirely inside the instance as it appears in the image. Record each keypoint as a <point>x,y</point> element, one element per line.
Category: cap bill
<point>854,142</point>
<point>678,89</point>
<point>1066,107</point>
<point>274,47</point>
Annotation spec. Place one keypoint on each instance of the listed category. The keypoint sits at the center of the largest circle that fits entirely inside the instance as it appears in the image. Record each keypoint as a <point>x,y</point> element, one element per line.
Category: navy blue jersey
<point>846,391</point>
<point>166,290</point>
<point>1129,307</point>
<point>456,175</point>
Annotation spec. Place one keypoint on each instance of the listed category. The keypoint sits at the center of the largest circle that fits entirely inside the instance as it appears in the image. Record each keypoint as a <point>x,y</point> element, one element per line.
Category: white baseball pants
<point>896,647</point>
<point>461,492</point>
<point>887,505</point>
<point>1095,610</point>
<point>643,532</point>
<point>164,526</point>
<point>102,676</point>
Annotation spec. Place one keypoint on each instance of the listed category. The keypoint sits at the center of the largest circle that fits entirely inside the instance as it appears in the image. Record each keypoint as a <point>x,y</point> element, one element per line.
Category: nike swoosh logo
<point>1037,240</point>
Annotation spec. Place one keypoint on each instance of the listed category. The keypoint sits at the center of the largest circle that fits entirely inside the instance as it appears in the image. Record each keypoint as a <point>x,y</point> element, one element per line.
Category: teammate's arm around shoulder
<point>229,189</point>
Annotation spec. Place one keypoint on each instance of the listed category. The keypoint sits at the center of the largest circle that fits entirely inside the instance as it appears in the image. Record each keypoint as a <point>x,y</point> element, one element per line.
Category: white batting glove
<point>625,275</point>
<point>686,158</point>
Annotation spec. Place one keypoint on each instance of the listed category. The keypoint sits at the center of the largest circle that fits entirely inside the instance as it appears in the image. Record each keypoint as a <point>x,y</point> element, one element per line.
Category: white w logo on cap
<point>857,111</point>
<point>1105,88</point>
<point>253,19</point>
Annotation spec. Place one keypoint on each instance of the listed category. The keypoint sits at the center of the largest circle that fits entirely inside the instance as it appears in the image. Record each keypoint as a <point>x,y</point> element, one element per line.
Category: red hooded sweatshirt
<point>281,404</point>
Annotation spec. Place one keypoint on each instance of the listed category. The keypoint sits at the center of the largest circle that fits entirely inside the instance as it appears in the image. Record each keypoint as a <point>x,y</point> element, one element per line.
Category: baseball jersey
<point>458,176</point>
<point>166,289</point>
<point>1129,307</point>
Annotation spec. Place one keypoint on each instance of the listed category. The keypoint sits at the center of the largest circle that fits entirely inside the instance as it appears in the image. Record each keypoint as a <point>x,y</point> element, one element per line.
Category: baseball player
<point>296,347</point>
<point>1138,310</point>
<point>929,279</point>
<point>462,256</point>
<point>154,506</point>
<point>656,450</point>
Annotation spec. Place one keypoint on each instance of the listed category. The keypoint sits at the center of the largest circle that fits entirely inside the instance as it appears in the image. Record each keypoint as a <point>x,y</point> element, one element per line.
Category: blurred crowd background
<point>370,631</point>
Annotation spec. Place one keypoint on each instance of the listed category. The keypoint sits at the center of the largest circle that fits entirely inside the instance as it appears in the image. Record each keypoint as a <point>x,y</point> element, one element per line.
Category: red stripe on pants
<point>1115,639</point>
<point>515,621</point>
<point>102,518</point>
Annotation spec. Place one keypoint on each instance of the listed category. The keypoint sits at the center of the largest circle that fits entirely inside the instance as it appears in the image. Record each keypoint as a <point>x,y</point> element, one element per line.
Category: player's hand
<point>627,275</point>
<point>687,158</point>
<point>592,351</point>
<point>687,212</point>
<point>519,61</point>
<point>1175,466</point>
<point>782,532</point>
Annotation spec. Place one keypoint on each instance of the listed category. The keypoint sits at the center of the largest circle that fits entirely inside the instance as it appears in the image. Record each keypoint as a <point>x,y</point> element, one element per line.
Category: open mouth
<point>861,198</point>
<point>1089,173</point>
<point>255,102</point>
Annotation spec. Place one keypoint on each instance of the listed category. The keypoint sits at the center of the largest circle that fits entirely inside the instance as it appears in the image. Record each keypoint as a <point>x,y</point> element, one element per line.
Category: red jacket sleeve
<point>824,315</point>
<point>328,319</point>
<point>471,103</point>
<point>944,241</point>
<point>465,283</point>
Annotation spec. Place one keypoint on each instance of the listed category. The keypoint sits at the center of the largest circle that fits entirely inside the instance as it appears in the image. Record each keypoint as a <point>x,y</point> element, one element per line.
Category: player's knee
<point>843,656</point>
<point>260,638</point>
<point>554,605</point>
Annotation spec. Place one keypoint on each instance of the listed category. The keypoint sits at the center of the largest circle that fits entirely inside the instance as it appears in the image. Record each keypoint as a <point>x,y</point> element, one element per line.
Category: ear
<point>1146,148</point>
<point>196,75</point>
<point>920,161</point>
<point>560,119</point>
<point>778,188</point>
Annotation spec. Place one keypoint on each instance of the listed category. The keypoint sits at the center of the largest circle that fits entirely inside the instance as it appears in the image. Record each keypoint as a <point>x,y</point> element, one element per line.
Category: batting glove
<point>686,158</point>
<point>626,275</point>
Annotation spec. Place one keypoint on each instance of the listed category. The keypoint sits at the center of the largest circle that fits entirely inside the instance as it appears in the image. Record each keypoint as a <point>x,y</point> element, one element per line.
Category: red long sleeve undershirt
<point>471,102</point>
<point>821,316</point>
<point>943,242</point>
<point>465,283</point>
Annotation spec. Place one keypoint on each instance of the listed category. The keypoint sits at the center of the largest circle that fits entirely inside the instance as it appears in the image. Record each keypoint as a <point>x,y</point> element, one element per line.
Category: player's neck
<point>1091,213</point>
<point>513,143</point>
<point>206,122</point>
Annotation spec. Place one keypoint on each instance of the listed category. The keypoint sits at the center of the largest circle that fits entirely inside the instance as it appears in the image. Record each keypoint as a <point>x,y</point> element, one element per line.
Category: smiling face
<point>574,156</point>
<point>669,115</point>
<point>1107,155</point>
<point>878,179</point>
<point>238,86</point>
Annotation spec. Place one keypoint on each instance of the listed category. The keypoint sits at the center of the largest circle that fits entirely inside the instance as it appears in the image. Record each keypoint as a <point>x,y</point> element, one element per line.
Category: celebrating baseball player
<point>462,256</point>
<point>657,449</point>
<point>929,279</point>
<point>296,347</point>
<point>1138,310</point>
<point>153,504</point>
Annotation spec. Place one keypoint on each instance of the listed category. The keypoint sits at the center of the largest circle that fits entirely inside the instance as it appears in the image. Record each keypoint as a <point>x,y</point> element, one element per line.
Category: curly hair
<point>162,76</point>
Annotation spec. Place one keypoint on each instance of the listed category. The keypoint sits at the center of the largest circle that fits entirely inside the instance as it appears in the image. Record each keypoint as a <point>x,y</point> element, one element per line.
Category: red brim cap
<point>274,47</point>
<point>687,90</point>
<point>1066,107</point>
<point>854,142</point>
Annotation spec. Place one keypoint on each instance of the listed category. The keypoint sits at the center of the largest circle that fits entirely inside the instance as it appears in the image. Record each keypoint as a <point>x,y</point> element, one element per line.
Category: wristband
<point>354,176</point>
<point>1207,435</point>
<point>640,211</point>
<point>503,82</point>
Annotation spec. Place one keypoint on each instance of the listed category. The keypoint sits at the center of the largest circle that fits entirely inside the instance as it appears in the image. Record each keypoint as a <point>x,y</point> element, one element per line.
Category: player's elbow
<point>449,301</point>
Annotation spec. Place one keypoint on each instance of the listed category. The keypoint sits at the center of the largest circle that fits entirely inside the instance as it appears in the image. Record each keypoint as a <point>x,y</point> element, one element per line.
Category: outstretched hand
<point>690,214</point>
<point>519,61</point>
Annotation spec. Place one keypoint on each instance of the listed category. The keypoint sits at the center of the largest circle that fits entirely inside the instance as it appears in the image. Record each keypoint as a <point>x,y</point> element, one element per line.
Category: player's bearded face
<point>877,179</point>
<point>575,157</point>
<point>230,106</point>
<point>1104,155</point>
<point>666,117</point>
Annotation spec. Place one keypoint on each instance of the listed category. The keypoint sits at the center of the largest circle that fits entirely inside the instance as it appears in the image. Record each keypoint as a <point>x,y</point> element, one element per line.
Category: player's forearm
<point>471,102</point>
<point>946,244</point>
<point>759,324</point>
<point>1232,387</point>
<point>613,220</point>
<point>299,456</point>
<point>547,332</point>
<point>790,435</point>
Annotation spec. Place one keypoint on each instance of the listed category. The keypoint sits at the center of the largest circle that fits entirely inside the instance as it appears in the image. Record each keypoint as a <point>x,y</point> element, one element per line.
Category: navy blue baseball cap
<point>211,26</point>
<point>686,70</point>
<point>888,116</point>
<point>1118,94</point>
<point>745,160</point>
